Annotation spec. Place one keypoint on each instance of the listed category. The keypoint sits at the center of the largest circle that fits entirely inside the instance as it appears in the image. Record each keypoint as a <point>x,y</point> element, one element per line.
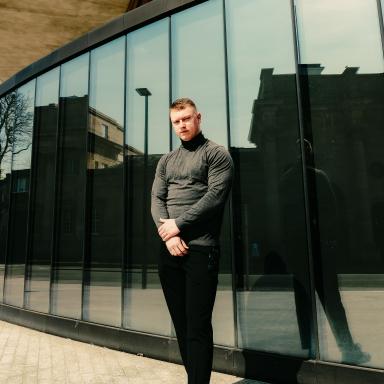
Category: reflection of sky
<point>148,67</point>
<point>22,160</point>
<point>259,35</point>
<point>107,79</point>
<point>74,77</point>
<point>340,33</point>
<point>47,90</point>
<point>198,65</point>
<point>5,165</point>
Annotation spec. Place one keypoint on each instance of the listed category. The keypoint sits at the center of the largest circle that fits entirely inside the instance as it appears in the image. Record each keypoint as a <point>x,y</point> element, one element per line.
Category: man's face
<point>186,122</point>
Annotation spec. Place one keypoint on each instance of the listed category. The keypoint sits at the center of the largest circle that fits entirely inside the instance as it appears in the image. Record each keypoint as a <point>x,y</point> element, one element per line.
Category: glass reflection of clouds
<point>198,68</point>
<point>254,42</point>
<point>144,48</point>
<point>334,43</point>
<point>107,77</point>
<point>75,73</point>
<point>47,91</point>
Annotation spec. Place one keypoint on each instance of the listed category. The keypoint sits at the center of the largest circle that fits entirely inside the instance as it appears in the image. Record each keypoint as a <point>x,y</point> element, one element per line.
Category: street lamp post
<point>145,92</point>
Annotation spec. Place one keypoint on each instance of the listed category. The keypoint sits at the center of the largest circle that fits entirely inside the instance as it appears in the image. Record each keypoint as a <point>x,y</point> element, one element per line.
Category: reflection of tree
<point>15,125</point>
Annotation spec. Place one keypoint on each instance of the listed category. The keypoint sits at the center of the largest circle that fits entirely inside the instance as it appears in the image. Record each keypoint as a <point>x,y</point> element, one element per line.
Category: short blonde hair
<point>182,103</point>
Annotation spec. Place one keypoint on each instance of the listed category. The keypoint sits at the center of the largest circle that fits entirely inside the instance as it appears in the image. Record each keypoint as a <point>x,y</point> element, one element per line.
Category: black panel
<point>112,28</point>
<point>25,74</point>
<point>73,48</point>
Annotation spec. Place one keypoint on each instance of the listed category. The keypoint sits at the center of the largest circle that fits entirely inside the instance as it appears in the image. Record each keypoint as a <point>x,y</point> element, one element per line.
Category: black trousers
<point>189,284</point>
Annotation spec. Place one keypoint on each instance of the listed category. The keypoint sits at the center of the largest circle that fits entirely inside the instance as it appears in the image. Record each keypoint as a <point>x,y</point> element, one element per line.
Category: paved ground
<point>30,357</point>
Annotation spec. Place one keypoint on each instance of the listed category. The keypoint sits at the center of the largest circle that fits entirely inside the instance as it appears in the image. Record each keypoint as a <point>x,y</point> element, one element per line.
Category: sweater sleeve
<point>159,194</point>
<point>220,174</point>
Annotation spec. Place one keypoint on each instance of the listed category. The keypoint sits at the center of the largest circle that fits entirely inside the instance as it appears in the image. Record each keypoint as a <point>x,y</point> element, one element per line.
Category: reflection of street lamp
<point>145,92</point>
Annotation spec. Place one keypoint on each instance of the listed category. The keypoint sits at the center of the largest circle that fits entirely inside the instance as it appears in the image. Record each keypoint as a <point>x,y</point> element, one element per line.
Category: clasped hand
<point>176,246</point>
<point>168,229</point>
<point>168,232</point>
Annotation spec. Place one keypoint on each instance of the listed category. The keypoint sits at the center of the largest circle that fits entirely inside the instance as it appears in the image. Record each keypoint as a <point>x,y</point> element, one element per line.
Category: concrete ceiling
<point>31,29</point>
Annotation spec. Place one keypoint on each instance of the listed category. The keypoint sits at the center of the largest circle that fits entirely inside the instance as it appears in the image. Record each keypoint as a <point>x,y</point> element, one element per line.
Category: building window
<point>21,185</point>
<point>105,130</point>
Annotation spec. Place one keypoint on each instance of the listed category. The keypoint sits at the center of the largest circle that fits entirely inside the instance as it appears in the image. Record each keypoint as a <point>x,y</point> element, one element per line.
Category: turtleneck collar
<point>191,145</point>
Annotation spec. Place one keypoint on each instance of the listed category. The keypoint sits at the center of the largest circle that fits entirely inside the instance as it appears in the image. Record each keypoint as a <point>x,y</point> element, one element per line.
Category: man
<point>188,197</point>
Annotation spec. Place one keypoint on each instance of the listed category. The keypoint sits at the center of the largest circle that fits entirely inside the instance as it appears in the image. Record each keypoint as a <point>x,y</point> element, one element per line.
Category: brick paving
<point>29,357</point>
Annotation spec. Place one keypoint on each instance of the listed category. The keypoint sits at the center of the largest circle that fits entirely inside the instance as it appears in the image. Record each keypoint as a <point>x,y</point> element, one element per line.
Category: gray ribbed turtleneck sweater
<point>191,185</point>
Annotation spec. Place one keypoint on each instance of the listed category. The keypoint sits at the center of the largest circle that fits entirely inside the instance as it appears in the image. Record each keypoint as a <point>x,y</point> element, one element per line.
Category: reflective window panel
<point>66,292</point>
<point>102,295</point>
<point>43,191</point>
<point>198,67</point>
<point>343,88</point>
<point>198,72</point>
<point>6,124</point>
<point>147,138</point>
<point>70,214</point>
<point>273,296</point>
<point>21,171</point>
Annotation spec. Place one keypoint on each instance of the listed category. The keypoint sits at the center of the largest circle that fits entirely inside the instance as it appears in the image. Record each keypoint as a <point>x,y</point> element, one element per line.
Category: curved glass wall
<point>300,108</point>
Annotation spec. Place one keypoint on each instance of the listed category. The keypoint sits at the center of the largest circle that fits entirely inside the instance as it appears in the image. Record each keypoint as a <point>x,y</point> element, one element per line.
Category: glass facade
<point>298,106</point>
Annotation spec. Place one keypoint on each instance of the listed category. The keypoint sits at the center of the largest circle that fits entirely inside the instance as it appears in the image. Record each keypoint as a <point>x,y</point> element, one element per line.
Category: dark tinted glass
<point>21,170</point>
<point>43,191</point>
<point>342,88</point>
<point>273,296</point>
<point>70,216</point>
<point>147,137</point>
<point>102,296</point>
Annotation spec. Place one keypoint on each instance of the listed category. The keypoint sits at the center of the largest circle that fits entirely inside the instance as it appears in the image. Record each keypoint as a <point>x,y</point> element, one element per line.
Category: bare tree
<point>15,125</point>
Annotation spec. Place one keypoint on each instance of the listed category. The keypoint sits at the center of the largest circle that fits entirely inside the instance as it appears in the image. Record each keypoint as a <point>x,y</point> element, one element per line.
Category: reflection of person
<point>189,191</point>
<point>326,222</point>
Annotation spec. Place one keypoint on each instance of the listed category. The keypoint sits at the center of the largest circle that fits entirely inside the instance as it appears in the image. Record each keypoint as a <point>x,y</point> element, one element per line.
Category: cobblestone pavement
<point>29,357</point>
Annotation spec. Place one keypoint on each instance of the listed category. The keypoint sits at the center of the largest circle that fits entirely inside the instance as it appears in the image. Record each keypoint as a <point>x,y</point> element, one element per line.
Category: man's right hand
<point>177,246</point>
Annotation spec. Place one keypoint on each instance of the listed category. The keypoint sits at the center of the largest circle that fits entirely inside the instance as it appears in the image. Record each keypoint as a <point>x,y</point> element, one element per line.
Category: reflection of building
<point>105,134</point>
<point>274,111</point>
<point>344,107</point>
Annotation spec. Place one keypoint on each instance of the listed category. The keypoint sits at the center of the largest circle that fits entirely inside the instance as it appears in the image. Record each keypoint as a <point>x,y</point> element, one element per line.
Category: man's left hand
<point>168,229</point>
